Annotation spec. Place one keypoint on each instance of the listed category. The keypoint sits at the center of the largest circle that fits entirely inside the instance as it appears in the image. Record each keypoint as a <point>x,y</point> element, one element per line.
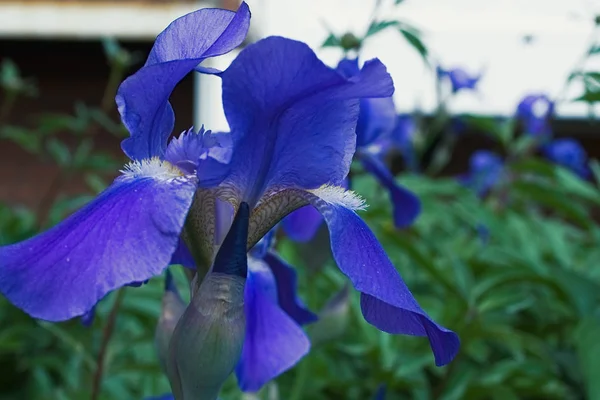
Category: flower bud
<point>207,342</point>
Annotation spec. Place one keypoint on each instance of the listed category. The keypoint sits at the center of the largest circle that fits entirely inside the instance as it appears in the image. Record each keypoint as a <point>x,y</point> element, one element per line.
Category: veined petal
<point>293,118</point>
<point>386,301</point>
<point>302,224</point>
<point>274,342</point>
<point>143,98</point>
<point>286,283</point>
<point>127,234</point>
<point>407,205</point>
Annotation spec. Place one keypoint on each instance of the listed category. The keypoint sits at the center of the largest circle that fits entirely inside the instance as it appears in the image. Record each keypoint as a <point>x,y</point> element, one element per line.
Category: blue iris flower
<point>374,134</point>
<point>459,78</point>
<point>292,139</point>
<point>534,112</point>
<point>485,170</point>
<point>570,154</point>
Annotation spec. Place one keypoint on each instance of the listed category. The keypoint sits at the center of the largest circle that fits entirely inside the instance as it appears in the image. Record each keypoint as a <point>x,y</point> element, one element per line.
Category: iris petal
<point>302,224</point>
<point>274,342</point>
<point>292,117</point>
<point>286,282</point>
<point>407,205</point>
<point>143,98</point>
<point>377,118</point>
<point>127,234</point>
<point>386,301</point>
<point>182,256</point>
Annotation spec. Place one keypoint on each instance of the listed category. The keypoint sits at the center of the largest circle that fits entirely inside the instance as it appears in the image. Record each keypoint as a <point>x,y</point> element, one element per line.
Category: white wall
<point>475,34</point>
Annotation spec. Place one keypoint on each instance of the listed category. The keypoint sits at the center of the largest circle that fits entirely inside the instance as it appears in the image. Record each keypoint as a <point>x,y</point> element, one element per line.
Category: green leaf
<point>588,352</point>
<point>378,26</point>
<point>332,41</point>
<point>589,96</point>
<point>59,152</point>
<point>595,167</point>
<point>547,194</point>
<point>415,41</point>
<point>571,183</point>
<point>24,138</point>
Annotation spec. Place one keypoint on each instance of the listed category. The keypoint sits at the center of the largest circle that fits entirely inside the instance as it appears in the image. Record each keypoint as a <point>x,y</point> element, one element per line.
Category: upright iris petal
<point>292,117</point>
<point>570,154</point>
<point>143,98</point>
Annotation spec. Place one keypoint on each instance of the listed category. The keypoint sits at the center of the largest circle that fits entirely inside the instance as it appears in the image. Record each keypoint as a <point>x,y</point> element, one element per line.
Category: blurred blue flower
<point>485,170</point>
<point>570,154</point>
<point>459,78</point>
<point>379,128</point>
<point>403,137</point>
<point>534,112</point>
<point>380,394</point>
<point>291,143</point>
<point>484,233</point>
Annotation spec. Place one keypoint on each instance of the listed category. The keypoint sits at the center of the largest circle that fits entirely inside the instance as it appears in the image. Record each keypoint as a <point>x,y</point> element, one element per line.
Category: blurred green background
<point>515,273</point>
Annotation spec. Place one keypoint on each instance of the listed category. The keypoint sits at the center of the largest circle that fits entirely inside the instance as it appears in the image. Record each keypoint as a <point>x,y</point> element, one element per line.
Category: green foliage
<point>351,42</point>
